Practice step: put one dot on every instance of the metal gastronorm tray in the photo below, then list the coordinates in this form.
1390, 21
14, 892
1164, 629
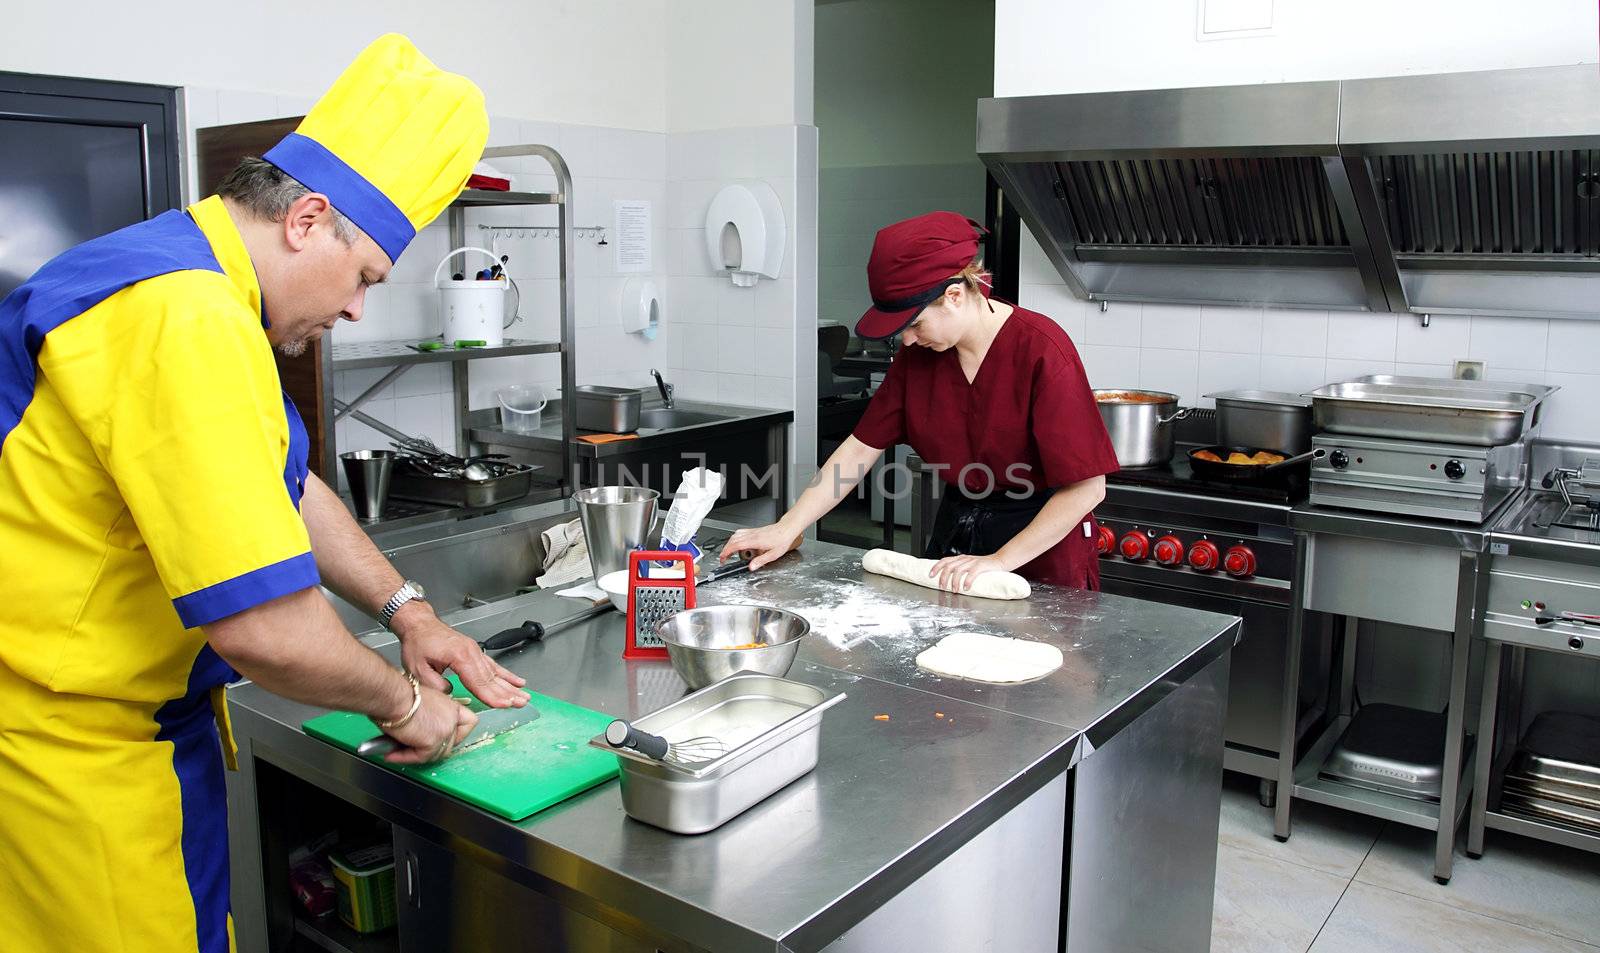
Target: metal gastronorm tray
1475, 413
771, 727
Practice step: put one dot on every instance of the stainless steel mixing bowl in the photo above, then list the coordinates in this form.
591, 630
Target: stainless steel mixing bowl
702, 642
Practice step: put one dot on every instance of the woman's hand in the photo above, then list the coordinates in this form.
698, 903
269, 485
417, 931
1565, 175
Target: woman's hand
957, 573
765, 543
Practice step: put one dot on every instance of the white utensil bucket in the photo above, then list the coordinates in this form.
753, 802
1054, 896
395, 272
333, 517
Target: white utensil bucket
472, 309
521, 408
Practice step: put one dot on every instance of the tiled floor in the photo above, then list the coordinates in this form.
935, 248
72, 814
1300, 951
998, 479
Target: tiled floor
1349, 884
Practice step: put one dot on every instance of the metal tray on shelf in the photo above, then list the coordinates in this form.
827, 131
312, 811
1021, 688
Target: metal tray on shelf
771, 727
459, 491
1476, 413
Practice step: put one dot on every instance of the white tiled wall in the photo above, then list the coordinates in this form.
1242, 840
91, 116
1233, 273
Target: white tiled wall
859, 200
747, 345
716, 342
1194, 351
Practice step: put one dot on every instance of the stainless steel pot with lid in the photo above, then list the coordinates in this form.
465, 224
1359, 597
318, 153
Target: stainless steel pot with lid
1140, 423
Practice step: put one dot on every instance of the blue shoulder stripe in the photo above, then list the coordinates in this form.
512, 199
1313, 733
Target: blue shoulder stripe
77, 280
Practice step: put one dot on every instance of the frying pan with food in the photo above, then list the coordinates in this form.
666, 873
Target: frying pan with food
1244, 464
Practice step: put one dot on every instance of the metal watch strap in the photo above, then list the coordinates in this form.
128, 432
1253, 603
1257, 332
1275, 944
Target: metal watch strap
407, 592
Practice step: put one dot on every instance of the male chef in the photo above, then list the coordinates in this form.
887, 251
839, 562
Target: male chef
160, 535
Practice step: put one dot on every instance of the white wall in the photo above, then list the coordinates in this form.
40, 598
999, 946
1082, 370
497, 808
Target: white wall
599, 62
1062, 46
737, 63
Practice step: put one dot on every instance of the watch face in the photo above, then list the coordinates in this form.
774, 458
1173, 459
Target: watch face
416, 587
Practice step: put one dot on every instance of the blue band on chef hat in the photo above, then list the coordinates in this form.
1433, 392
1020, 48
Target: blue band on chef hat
319, 170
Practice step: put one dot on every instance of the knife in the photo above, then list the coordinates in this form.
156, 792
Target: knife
737, 566
535, 631
491, 722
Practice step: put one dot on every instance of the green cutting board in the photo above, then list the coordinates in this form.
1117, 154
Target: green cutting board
514, 774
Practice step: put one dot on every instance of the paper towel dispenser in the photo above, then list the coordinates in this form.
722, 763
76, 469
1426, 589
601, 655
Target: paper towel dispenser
745, 232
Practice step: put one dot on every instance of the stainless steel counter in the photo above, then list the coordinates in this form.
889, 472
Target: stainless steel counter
889, 800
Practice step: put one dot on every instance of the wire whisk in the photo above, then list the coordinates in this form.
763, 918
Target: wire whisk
697, 750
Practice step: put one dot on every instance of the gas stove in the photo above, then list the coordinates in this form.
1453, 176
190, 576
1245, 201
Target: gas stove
1166, 526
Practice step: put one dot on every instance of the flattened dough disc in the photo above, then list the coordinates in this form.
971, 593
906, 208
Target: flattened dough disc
989, 658
989, 585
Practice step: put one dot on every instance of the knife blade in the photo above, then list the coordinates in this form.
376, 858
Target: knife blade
494, 721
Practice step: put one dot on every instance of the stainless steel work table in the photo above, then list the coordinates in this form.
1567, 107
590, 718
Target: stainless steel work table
889, 801
1422, 573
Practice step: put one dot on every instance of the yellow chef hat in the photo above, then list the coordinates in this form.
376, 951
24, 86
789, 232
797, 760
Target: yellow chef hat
391, 143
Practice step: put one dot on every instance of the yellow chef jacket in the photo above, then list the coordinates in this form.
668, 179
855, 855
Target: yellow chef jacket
150, 477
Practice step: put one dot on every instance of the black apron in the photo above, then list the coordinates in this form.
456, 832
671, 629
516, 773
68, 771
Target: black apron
969, 527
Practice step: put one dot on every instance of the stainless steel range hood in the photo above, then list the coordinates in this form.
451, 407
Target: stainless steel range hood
1461, 192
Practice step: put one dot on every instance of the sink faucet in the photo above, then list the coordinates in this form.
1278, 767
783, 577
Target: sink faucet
664, 387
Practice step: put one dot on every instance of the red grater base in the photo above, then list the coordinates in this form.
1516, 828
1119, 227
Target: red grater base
631, 647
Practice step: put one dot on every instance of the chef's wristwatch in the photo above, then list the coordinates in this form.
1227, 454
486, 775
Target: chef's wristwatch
411, 590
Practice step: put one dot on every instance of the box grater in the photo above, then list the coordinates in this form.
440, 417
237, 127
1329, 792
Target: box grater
652, 600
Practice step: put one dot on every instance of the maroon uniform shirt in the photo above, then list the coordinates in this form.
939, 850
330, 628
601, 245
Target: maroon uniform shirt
1027, 422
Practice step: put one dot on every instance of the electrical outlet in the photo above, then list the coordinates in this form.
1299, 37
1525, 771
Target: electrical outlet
1468, 371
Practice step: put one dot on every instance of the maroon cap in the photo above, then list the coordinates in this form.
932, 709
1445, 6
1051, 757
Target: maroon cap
912, 264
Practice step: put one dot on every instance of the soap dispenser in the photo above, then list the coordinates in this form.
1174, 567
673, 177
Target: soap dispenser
745, 232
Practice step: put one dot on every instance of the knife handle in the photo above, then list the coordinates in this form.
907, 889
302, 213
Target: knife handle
383, 744
509, 638
620, 734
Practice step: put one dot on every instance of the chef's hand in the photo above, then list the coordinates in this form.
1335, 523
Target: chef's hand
433, 732
957, 572
764, 543
428, 648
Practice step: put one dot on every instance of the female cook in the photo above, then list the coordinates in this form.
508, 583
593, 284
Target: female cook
991, 395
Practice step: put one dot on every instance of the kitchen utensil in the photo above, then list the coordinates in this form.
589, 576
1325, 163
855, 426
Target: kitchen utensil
1245, 472
1420, 408
491, 721
1263, 418
521, 408
696, 750
514, 775
429, 480
735, 566
616, 521
1140, 424
709, 643
608, 409
472, 311
771, 727
536, 631
615, 585
653, 599
369, 473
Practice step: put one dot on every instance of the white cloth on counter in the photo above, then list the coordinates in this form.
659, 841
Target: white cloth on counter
588, 591
566, 555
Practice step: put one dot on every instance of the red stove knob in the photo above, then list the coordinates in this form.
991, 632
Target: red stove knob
1168, 551
1240, 561
1106, 544
1135, 546
1204, 556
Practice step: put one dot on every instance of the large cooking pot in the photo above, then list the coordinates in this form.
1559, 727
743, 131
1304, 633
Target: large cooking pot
1140, 424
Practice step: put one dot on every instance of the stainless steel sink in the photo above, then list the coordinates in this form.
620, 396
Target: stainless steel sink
660, 418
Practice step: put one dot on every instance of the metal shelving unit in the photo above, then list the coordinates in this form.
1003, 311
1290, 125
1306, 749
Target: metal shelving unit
391, 353
402, 356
